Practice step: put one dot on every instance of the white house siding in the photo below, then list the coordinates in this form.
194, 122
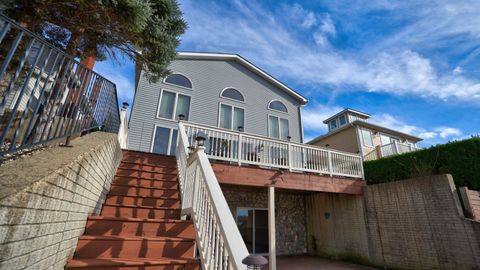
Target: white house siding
209, 78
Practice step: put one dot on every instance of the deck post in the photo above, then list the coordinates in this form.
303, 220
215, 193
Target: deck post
272, 258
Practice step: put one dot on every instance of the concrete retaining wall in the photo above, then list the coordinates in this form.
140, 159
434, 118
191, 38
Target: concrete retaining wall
46, 197
411, 224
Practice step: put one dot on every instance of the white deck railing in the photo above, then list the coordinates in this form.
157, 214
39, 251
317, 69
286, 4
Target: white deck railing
244, 148
396, 148
218, 239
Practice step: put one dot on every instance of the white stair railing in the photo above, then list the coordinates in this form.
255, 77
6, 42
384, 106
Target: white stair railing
244, 148
218, 239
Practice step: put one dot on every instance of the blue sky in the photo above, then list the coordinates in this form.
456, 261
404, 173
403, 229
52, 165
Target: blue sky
413, 65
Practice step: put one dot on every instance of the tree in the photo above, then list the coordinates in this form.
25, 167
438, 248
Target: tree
146, 31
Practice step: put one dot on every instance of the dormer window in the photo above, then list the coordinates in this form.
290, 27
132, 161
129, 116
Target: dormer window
333, 124
342, 119
277, 106
178, 80
232, 93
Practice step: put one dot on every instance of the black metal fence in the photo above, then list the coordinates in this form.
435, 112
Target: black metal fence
46, 94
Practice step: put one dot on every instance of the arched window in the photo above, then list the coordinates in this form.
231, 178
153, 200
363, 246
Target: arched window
179, 80
232, 93
277, 106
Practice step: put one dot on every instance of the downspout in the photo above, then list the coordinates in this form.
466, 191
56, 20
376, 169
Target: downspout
302, 135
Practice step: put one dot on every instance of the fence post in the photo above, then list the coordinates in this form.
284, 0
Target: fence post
290, 157
240, 147
330, 167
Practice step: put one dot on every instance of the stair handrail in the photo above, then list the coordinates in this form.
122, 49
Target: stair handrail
218, 239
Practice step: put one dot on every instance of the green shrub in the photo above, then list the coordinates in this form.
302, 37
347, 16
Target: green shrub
459, 158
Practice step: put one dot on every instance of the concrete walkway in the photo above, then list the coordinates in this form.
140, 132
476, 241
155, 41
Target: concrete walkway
315, 263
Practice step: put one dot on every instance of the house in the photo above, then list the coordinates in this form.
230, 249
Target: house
254, 136
350, 131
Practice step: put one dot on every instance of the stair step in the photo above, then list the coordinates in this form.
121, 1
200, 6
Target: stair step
148, 168
135, 211
126, 180
130, 227
142, 201
135, 264
146, 175
143, 191
133, 247
171, 164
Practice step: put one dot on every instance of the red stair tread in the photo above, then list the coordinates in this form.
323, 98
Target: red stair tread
136, 238
105, 262
142, 206
142, 186
156, 220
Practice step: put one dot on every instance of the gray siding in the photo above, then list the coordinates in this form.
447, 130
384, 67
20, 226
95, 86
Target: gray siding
209, 78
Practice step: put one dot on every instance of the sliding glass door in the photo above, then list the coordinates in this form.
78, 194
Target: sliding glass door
253, 226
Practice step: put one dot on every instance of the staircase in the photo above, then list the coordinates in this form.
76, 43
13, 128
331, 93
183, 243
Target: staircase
139, 226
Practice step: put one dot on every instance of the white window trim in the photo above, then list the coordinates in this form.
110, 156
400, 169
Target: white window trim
174, 105
389, 136
363, 138
169, 138
253, 231
233, 109
340, 123
176, 85
268, 126
236, 100
268, 106
330, 124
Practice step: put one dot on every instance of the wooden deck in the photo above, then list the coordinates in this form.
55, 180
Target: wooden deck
261, 177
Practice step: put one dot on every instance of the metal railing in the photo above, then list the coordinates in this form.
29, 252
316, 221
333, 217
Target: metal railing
218, 239
244, 148
396, 148
46, 94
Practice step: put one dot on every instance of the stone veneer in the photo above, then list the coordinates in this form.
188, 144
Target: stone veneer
46, 197
290, 214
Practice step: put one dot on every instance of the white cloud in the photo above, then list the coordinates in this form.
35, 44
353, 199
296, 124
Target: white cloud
446, 132
313, 117
255, 32
457, 71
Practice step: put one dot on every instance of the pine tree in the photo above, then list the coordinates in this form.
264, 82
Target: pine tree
146, 31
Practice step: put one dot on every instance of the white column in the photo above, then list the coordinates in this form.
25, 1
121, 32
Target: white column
272, 258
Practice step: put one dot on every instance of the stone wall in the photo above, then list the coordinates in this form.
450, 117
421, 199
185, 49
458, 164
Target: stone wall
46, 197
289, 215
411, 224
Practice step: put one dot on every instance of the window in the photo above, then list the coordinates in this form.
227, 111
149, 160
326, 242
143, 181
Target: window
232, 93
253, 226
178, 80
231, 117
278, 127
333, 124
385, 139
164, 141
367, 137
277, 106
172, 104
343, 120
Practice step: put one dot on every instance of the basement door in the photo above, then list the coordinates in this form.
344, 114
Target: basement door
253, 226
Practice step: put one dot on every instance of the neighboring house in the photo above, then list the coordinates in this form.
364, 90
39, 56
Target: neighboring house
218, 90
252, 119
350, 131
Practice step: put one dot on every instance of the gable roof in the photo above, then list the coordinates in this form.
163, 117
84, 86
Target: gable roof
237, 58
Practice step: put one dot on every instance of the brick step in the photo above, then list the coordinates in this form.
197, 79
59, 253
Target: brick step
158, 183
135, 211
146, 175
153, 158
130, 227
133, 247
148, 168
143, 191
142, 201
135, 264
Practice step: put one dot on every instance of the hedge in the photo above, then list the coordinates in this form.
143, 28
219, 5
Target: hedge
459, 158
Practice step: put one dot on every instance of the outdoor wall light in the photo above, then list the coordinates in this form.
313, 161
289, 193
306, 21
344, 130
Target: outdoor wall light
125, 105
289, 137
240, 128
181, 117
327, 145
254, 261
200, 138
